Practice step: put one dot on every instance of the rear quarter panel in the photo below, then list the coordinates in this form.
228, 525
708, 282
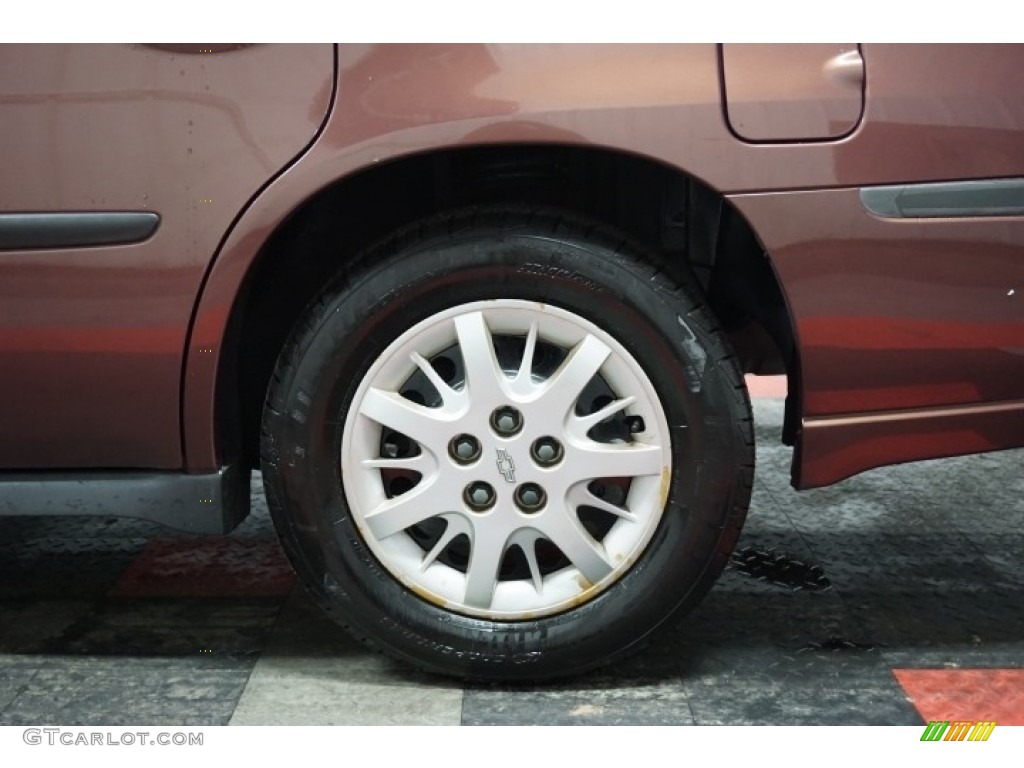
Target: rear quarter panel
931, 113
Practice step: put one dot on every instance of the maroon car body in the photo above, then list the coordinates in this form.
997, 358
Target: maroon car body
855, 215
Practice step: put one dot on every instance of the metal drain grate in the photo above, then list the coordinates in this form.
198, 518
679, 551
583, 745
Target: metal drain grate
778, 568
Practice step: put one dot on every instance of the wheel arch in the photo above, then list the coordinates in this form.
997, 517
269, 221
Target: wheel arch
293, 238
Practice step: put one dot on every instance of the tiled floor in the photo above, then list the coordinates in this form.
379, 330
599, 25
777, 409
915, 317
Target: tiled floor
842, 604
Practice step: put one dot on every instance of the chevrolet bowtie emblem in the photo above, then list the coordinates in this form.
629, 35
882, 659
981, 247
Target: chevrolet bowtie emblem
506, 466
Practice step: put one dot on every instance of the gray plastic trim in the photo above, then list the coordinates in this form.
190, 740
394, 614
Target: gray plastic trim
947, 199
22, 231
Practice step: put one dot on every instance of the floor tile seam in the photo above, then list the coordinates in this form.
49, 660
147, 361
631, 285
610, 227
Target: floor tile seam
258, 657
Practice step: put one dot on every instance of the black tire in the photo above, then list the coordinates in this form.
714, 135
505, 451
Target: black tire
493, 255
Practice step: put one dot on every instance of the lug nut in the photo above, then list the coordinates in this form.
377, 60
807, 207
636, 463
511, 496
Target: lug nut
506, 421
546, 451
464, 449
396, 445
530, 497
479, 496
636, 424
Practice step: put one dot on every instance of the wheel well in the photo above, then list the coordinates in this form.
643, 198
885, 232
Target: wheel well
694, 232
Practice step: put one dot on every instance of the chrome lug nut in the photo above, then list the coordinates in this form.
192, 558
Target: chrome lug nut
464, 449
546, 451
479, 496
530, 497
506, 421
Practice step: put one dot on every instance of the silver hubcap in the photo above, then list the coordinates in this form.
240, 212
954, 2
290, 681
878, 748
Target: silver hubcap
506, 459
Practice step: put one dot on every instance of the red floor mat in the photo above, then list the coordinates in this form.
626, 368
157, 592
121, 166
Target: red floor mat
214, 567
966, 694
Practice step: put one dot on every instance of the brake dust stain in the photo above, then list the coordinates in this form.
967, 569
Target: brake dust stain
426, 594
663, 489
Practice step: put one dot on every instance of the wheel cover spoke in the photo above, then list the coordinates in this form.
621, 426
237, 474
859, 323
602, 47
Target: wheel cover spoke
525, 373
457, 526
449, 396
508, 554
526, 539
411, 463
579, 496
594, 460
401, 512
483, 376
566, 384
582, 424
481, 575
391, 410
581, 550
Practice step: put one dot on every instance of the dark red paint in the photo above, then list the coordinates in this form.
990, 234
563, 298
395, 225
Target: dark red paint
106, 352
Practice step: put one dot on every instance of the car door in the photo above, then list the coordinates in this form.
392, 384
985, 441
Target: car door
123, 168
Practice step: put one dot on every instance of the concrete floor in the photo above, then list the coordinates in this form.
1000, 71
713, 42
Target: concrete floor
896, 597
